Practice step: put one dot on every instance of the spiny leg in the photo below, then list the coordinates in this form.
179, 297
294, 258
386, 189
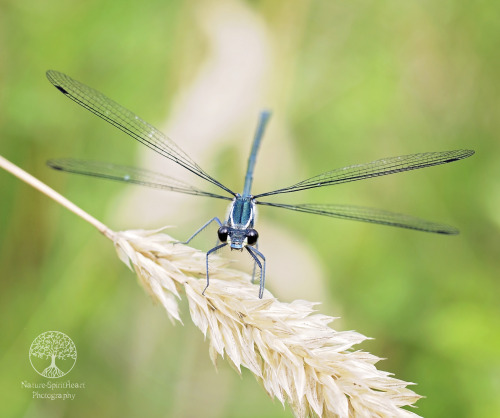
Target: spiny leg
254, 264
218, 247
216, 219
255, 255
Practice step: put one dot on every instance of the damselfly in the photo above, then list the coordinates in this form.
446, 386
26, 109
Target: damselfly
238, 230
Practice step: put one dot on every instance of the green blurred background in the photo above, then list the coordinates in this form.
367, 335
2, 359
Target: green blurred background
349, 82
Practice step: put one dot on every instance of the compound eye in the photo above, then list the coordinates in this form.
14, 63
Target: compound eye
222, 233
252, 236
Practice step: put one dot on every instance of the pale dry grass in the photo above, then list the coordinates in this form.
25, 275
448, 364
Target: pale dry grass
291, 350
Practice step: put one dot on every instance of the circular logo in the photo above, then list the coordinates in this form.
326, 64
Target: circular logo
52, 354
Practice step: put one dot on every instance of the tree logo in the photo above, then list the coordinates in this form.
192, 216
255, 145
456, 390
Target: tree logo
52, 345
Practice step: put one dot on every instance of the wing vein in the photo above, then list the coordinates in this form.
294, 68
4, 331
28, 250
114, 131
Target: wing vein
128, 122
130, 175
364, 214
374, 169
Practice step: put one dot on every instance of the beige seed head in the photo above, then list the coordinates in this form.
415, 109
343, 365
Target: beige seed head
289, 347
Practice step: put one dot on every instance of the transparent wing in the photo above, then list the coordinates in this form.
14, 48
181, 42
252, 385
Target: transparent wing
359, 213
375, 169
129, 175
128, 122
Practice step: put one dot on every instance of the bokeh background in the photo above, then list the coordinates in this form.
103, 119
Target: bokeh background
348, 82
